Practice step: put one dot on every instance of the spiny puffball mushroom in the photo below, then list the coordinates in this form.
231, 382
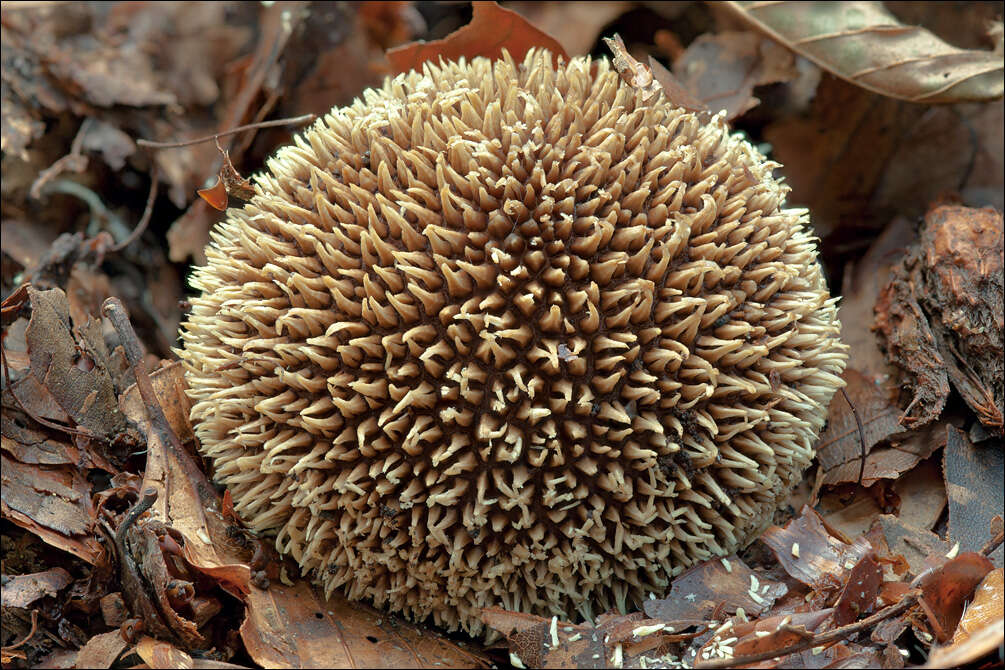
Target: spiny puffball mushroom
505, 334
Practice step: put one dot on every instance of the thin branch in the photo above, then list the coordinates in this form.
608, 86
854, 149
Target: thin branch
817, 640
993, 543
31, 633
150, 144
145, 219
861, 436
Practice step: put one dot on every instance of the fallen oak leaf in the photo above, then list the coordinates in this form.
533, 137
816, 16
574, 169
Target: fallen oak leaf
985, 609
860, 591
863, 43
492, 29
674, 89
717, 585
293, 627
812, 555
945, 589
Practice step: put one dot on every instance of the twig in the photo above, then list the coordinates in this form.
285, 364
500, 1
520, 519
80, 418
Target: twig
145, 219
993, 543
817, 640
116, 313
31, 633
141, 506
861, 436
306, 118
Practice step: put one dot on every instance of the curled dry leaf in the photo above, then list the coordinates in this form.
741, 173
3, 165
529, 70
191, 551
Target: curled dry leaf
863, 43
720, 584
985, 609
946, 590
812, 555
187, 500
973, 475
291, 627
22, 590
71, 361
144, 544
215, 195
491, 30
722, 69
101, 650
228, 182
160, 654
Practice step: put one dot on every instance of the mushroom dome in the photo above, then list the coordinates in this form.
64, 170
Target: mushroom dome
509, 334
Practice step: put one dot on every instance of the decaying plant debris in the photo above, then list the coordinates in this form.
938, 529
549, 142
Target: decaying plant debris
899, 566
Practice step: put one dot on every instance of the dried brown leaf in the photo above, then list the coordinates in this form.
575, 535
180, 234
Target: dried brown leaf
860, 591
292, 627
72, 364
862, 282
574, 25
215, 195
22, 590
812, 555
722, 69
946, 590
162, 655
854, 159
720, 584
674, 89
973, 476
101, 650
53, 502
986, 609
921, 490
840, 447
914, 544
984, 642
186, 499
491, 30
866, 45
